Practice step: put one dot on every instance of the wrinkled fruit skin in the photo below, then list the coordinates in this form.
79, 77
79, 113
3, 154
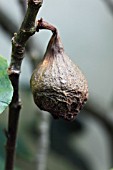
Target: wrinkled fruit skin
57, 84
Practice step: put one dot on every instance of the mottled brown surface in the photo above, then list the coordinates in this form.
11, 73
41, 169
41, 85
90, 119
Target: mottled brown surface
58, 85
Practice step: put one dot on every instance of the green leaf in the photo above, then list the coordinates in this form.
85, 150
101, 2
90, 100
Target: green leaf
6, 89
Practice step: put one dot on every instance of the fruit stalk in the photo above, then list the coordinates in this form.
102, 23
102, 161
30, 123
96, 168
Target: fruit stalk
41, 24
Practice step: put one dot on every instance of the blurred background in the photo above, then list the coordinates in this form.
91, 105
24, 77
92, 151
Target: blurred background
86, 29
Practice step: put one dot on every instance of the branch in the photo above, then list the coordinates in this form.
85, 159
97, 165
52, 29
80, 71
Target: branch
32, 48
43, 143
19, 40
100, 114
23, 5
7, 24
109, 4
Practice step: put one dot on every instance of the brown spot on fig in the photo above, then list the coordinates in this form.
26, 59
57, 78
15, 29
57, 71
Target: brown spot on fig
57, 84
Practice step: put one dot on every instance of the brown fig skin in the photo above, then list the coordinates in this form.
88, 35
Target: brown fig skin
57, 84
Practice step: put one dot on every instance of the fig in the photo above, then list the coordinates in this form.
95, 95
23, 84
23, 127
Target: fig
57, 84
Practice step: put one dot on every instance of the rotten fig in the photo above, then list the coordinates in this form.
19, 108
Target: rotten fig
57, 84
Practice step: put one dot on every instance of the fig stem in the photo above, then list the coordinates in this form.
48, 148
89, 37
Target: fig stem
41, 24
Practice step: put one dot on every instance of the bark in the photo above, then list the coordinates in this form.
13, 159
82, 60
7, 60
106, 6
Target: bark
19, 40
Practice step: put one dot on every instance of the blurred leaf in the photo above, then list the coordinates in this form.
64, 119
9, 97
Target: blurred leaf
1, 164
22, 149
2, 142
6, 89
